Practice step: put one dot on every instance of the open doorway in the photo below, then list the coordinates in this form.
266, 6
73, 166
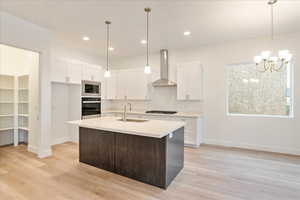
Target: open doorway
19, 96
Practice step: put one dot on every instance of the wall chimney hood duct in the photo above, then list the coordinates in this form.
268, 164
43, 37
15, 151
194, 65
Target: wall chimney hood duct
164, 71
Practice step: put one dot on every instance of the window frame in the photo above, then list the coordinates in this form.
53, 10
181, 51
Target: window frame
290, 116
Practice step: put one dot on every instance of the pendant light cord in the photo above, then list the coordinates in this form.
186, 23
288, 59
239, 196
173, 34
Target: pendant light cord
147, 38
107, 46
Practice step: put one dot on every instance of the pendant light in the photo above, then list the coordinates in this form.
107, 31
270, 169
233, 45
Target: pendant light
147, 69
273, 63
107, 72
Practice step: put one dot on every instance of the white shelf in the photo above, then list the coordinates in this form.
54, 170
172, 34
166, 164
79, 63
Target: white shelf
11, 115
23, 115
7, 102
24, 128
6, 129
23, 89
7, 89
23, 102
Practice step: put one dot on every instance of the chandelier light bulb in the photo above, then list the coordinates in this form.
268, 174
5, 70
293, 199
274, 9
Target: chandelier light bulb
254, 80
283, 54
288, 57
257, 59
265, 54
147, 69
245, 80
107, 74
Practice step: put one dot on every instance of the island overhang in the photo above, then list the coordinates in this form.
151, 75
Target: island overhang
149, 128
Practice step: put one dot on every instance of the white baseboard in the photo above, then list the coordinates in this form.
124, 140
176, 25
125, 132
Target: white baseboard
45, 153
191, 145
42, 154
61, 140
32, 149
253, 147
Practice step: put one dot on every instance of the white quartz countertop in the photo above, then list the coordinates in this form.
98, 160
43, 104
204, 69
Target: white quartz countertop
179, 114
150, 128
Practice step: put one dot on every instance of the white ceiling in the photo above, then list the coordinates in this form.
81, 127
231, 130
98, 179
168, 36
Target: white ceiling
210, 21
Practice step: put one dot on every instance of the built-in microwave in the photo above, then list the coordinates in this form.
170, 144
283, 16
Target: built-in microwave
91, 88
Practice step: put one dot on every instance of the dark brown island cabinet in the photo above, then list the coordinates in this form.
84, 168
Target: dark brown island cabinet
155, 161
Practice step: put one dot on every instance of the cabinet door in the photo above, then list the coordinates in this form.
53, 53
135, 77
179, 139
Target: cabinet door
181, 83
195, 83
189, 81
148, 164
137, 85
97, 73
110, 86
97, 148
88, 73
74, 73
59, 71
122, 83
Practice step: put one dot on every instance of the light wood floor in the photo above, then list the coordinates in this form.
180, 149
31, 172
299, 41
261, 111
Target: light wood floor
210, 173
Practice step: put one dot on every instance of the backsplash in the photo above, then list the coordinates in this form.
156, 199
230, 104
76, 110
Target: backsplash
162, 98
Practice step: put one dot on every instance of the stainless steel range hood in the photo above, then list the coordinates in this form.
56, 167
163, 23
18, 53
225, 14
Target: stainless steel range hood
164, 71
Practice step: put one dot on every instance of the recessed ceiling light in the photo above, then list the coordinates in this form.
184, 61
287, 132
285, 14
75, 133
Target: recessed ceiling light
111, 48
85, 38
186, 33
143, 41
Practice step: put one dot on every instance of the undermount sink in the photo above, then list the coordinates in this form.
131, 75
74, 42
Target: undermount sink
133, 120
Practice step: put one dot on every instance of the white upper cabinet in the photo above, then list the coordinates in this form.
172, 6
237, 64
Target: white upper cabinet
131, 84
64, 71
109, 87
92, 73
123, 79
137, 87
59, 71
189, 81
74, 73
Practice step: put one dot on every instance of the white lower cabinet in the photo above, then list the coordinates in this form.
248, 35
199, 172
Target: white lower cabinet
193, 130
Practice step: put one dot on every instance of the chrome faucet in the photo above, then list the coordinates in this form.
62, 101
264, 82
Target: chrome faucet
124, 117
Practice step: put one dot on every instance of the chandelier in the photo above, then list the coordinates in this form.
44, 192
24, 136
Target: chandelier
273, 63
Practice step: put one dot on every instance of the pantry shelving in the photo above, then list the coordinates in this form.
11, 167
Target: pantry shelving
14, 108
7, 108
23, 105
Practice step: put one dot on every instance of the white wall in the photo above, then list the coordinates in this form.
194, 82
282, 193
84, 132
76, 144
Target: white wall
23, 34
14, 61
272, 134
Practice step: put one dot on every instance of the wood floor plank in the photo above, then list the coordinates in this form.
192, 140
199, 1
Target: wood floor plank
210, 173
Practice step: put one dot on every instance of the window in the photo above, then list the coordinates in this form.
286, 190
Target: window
250, 92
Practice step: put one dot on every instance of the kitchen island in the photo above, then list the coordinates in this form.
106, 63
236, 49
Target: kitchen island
150, 151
